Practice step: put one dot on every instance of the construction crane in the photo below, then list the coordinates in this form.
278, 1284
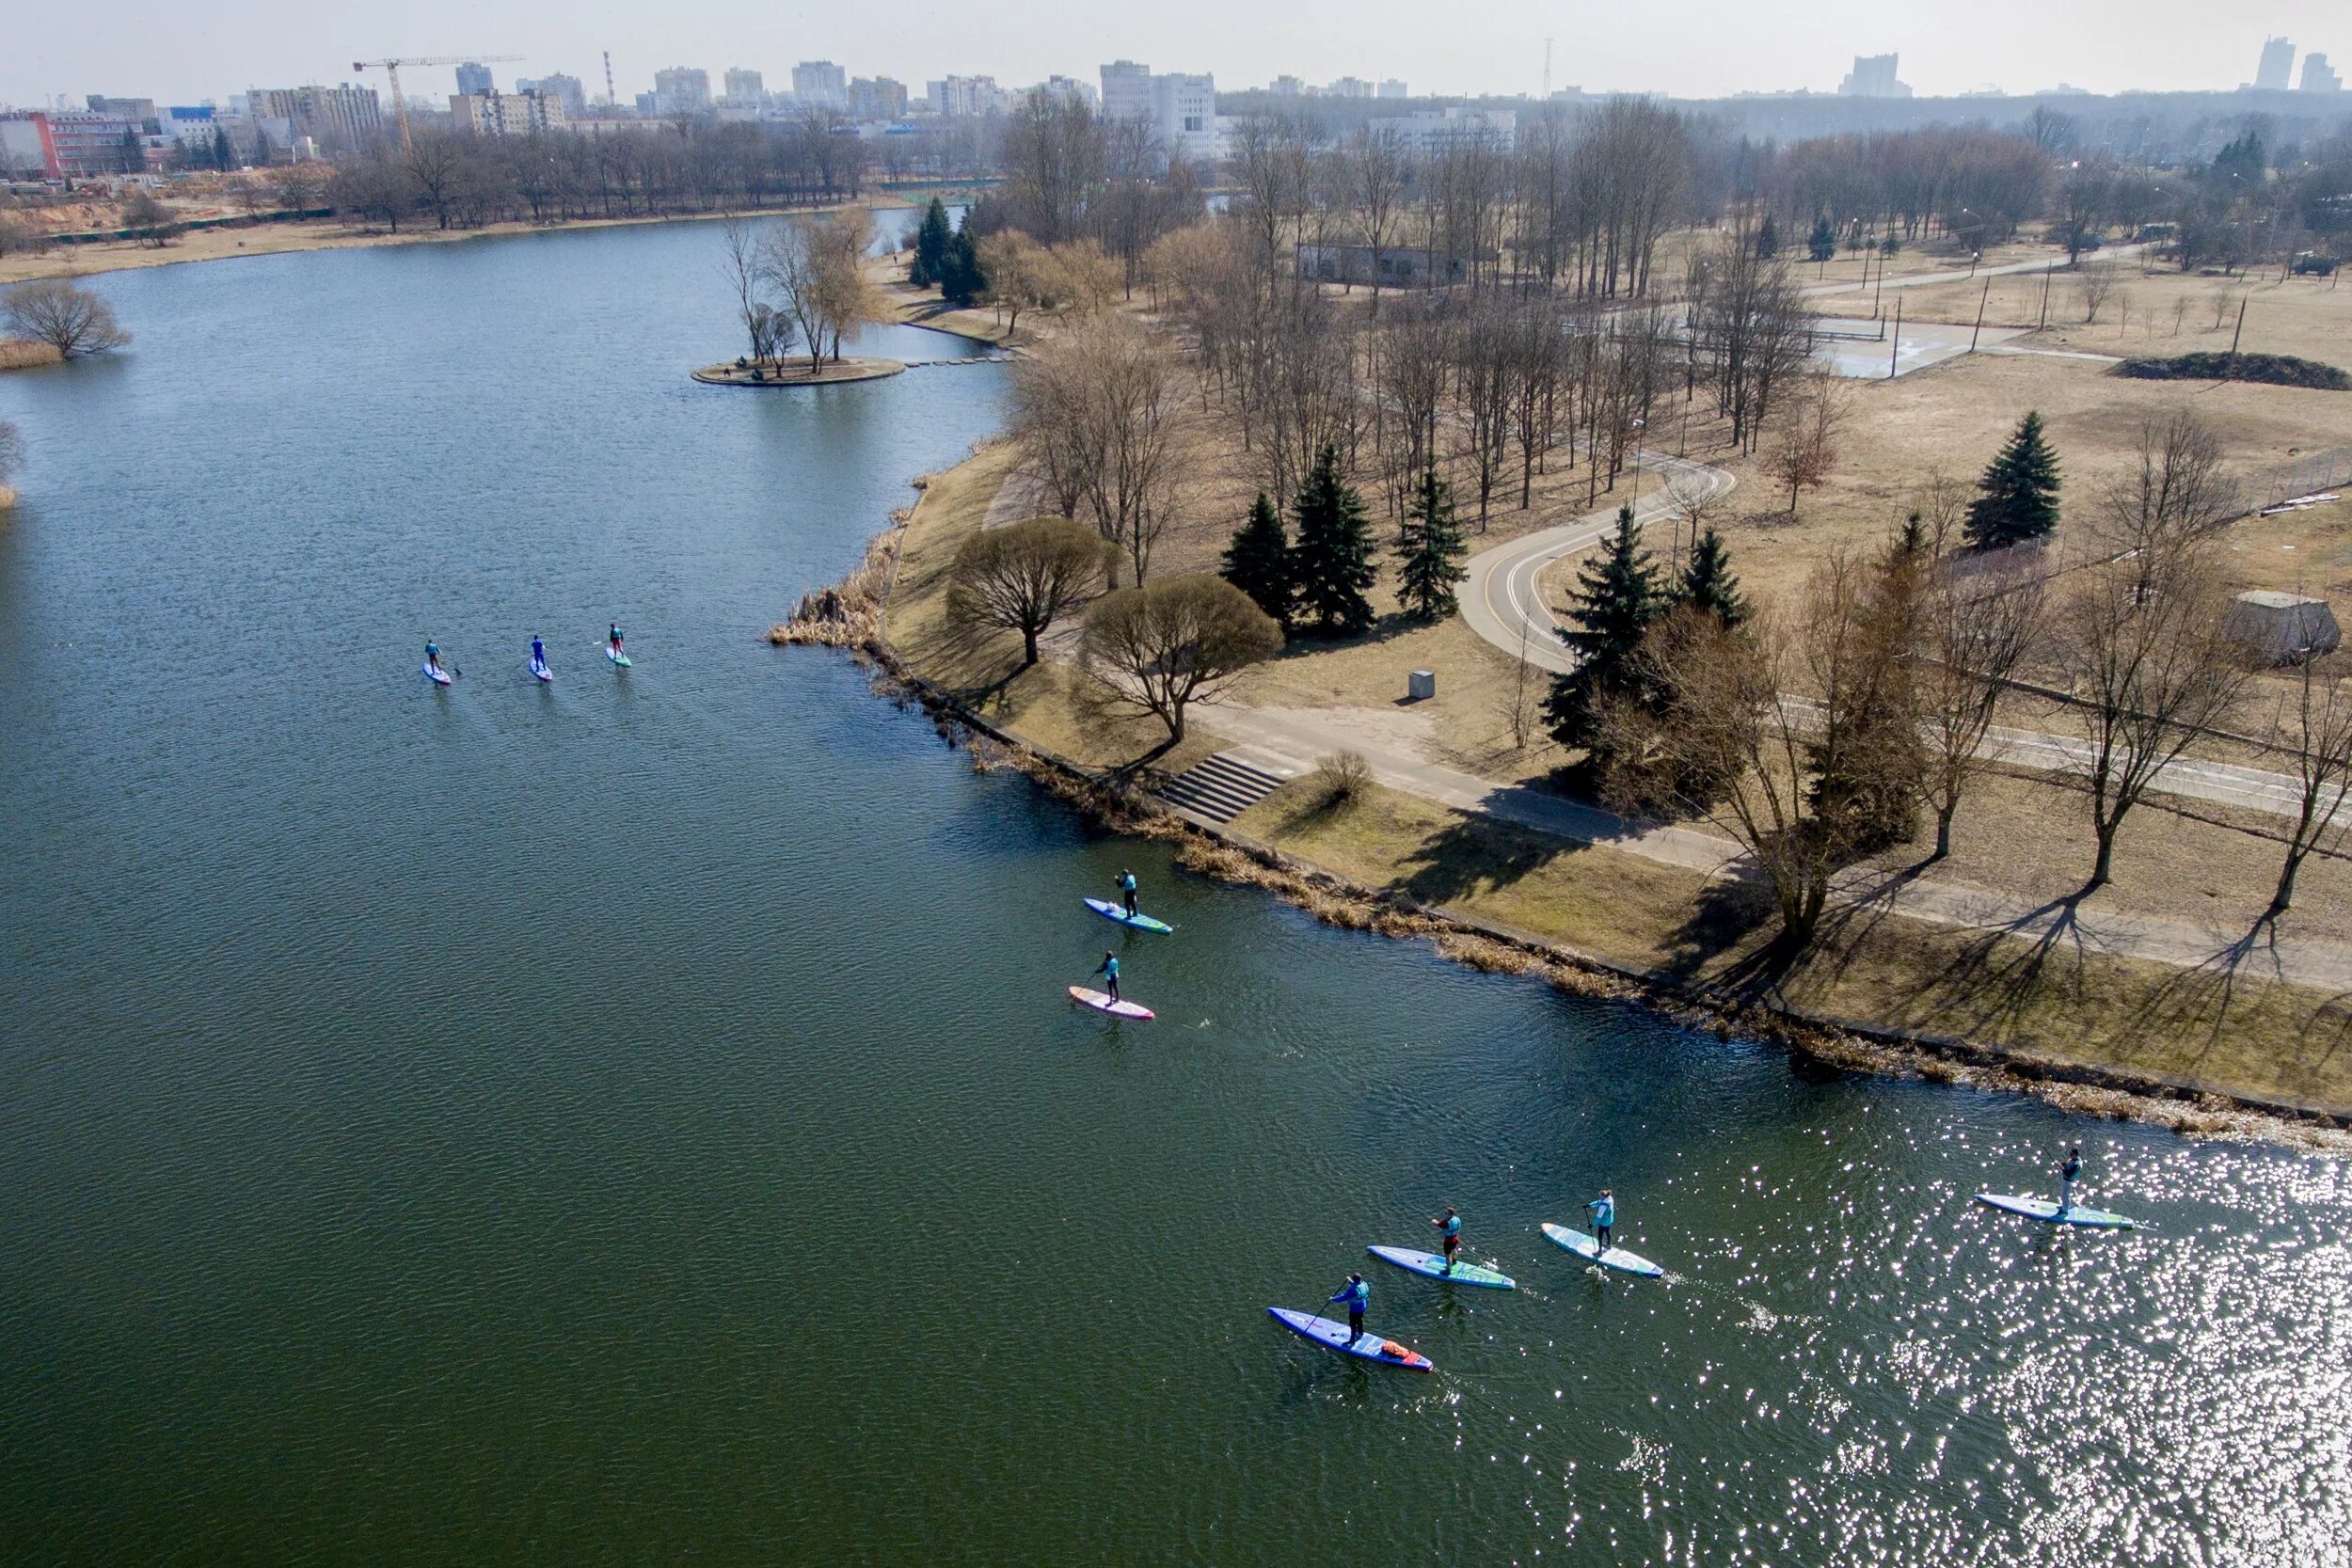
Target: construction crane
400, 102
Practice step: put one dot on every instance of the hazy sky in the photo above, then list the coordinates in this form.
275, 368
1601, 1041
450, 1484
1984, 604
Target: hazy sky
181, 53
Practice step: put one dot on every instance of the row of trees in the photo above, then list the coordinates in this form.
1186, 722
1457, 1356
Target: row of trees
1816, 733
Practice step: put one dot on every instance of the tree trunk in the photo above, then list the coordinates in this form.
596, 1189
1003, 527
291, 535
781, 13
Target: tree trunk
1944, 816
2285, 896
2103, 867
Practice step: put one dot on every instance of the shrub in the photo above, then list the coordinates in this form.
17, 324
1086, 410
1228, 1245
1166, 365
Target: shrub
2274, 370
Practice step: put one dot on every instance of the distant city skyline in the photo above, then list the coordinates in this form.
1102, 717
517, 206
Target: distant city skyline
1716, 49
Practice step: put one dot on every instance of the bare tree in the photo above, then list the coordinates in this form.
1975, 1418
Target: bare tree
1982, 623
1099, 413
1023, 577
744, 265
2095, 285
1804, 451
1940, 502
1159, 648
2175, 499
2320, 736
66, 316
1375, 170
2152, 667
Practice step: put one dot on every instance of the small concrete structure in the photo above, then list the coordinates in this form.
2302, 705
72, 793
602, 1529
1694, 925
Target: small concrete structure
2281, 628
1420, 684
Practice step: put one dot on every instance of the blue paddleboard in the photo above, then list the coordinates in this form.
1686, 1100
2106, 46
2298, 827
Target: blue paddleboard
1588, 1249
1371, 1347
1109, 910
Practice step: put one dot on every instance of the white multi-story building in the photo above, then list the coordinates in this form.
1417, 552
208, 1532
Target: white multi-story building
821, 82
507, 113
878, 98
745, 88
1072, 89
1873, 76
566, 90
1350, 87
2278, 64
971, 96
2319, 75
1392, 87
1180, 108
681, 89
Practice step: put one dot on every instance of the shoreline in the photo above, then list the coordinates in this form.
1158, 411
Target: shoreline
850, 616
225, 245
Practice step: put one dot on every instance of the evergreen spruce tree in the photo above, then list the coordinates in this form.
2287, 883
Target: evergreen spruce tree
2018, 498
1432, 560
1768, 239
1708, 585
1617, 598
1258, 563
1824, 244
1333, 559
931, 246
962, 280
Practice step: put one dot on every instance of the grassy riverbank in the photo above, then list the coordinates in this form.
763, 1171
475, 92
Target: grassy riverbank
2056, 1003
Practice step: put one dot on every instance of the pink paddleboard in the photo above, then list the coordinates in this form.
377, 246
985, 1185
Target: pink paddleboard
1103, 1004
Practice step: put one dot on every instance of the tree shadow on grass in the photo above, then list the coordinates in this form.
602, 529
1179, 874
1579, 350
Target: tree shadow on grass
1725, 918
1475, 854
2200, 1002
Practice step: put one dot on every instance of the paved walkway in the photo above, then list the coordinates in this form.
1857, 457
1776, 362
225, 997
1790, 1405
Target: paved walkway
1291, 740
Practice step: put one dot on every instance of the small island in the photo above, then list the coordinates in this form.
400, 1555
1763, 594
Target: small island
796, 373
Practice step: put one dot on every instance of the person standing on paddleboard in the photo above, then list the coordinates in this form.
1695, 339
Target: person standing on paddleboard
433, 656
538, 653
612, 638
1109, 972
1354, 1293
2069, 1174
1127, 891
1604, 1212
1450, 1226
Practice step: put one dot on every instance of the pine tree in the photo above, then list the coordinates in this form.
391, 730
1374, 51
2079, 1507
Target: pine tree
961, 280
1617, 597
224, 158
1708, 585
931, 246
1258, 563
1768, 239
1431, 564
1824, 244
1333, 560
2019, 492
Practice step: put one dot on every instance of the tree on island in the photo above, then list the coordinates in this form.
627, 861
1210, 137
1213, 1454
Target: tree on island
1617, 601
931, 246
1708, 585
1334, 558
1431, 562
2017, 498
1258, 563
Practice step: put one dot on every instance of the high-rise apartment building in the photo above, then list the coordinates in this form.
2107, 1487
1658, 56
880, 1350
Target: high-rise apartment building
681, 89
1070, 87
1873, 76
2278, 64
506, 114
473, 78
819, 81
566, 90
878, 98
2318, 76
1391, 88
336, 118
1180, 108
745, 87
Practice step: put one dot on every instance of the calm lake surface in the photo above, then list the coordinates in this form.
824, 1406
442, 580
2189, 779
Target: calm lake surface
637, 1120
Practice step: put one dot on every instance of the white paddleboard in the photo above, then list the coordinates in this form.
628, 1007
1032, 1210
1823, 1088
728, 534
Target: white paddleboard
2047, 1213
540, 670
1616, 1258
1432, 1265
1102, 1003
620, 660
438, 677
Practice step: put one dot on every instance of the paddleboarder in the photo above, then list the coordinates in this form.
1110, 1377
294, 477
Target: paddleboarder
1109, 972
538, 653
1450, 1226
613, 639
433, 656
2069, 1174
1127, 891
1354, 1293
1604, 1212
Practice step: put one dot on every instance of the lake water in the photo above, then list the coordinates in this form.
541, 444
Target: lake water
637, 1119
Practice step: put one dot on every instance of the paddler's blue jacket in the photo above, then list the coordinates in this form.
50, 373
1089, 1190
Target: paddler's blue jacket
1603, 1210
1354, 1293
1127, 883
1109, 969
1453, 1225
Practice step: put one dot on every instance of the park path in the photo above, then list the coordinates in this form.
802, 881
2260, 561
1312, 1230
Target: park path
1289, 741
